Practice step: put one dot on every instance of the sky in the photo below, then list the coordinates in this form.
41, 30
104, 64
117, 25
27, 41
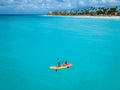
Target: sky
43, 6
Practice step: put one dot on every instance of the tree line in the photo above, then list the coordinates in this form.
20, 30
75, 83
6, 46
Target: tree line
92, 11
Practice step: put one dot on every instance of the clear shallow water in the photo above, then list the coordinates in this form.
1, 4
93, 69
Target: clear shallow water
30, 44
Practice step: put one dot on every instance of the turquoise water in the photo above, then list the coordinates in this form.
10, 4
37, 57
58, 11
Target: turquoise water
29, 44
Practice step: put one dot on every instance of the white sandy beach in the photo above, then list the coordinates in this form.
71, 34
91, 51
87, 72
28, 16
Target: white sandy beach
112, 17
116, 17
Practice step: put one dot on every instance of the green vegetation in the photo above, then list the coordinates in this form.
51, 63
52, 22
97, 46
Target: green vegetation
92, 11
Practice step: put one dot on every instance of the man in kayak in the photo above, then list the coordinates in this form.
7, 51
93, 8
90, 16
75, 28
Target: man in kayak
58, 63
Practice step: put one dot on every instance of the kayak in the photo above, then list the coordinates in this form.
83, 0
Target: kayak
63, 66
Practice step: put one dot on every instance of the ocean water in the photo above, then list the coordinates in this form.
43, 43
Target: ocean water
29, 44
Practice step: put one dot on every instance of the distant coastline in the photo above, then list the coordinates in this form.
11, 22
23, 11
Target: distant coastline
92, 11
117, 17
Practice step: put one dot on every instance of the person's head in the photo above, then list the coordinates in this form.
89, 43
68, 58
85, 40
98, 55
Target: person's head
57, 58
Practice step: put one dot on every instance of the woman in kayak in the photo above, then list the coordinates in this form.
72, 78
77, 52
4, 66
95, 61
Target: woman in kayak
66, 62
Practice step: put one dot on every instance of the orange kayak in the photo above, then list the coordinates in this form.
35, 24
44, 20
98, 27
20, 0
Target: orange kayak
63, 66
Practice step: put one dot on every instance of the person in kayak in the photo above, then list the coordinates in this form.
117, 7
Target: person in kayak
66, 62
58, 63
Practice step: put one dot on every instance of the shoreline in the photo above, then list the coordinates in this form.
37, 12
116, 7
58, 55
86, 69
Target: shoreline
114, 17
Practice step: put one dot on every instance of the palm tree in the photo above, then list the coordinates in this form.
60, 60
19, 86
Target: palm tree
90, 11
